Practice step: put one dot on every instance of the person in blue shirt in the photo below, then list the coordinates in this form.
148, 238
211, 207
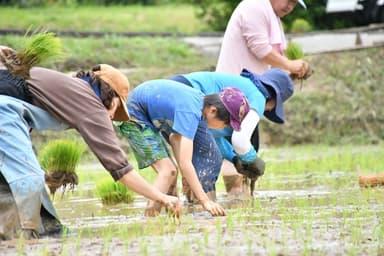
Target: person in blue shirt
165, 109
266, 94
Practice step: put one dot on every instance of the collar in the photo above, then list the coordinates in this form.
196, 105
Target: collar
95, 85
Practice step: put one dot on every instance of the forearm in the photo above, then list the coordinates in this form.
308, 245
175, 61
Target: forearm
298, 66
139, 185
276, 60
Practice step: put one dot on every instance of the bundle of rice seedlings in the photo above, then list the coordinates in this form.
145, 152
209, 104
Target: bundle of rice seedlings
59, 159
112, 192
294, 51
39, 49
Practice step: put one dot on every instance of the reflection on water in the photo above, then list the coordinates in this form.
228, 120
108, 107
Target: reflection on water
307, 214
79, 211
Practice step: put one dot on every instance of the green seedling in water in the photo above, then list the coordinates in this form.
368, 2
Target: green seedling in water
59, 159
112, 192
283, 224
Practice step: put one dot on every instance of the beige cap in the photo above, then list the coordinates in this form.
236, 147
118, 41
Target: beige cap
120, 84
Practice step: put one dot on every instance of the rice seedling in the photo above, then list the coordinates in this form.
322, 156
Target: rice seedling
345, 219
59, 159
112, 192
38, 49
294, 51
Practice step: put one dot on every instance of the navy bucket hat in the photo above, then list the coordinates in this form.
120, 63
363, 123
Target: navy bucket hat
282, 84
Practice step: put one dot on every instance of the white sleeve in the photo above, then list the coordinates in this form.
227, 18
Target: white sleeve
241, 140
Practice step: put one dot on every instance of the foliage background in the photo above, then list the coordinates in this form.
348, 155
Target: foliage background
215, 13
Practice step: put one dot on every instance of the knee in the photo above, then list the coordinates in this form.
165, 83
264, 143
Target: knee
166, 169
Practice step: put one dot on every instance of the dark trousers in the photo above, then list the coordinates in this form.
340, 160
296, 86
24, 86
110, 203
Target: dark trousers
14, 86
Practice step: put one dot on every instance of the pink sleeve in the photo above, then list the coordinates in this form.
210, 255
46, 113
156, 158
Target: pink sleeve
255, 29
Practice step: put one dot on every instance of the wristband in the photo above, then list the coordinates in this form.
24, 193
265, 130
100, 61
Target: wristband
249, 157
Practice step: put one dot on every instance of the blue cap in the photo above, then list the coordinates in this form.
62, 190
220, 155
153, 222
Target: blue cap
282, 84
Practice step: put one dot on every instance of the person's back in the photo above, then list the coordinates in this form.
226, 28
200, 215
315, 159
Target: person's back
213, 82
72, 101
63, 95
58, 99
247, 38
167, 105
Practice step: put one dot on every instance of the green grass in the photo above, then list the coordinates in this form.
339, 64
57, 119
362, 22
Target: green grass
141, 58
105, 19
310, 162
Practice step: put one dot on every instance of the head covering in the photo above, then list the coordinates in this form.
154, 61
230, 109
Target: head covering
282, 84
301, 2
120, 84
236, 104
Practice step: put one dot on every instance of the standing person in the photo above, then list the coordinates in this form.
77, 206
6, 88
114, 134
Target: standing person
181, 115
254, 39
266, 94
86, 103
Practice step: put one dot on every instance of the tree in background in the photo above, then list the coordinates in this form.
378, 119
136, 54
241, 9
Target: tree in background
217, 13
40, 3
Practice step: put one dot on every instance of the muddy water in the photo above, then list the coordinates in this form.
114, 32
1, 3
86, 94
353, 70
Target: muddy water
319, 214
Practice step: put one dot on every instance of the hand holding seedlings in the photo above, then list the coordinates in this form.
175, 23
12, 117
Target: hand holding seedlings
296, 54
173, 205
251, 170
38, 49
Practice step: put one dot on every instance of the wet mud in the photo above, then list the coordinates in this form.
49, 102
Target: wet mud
299, 216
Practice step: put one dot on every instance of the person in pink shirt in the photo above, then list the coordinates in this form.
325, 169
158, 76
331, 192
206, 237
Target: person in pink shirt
254, 40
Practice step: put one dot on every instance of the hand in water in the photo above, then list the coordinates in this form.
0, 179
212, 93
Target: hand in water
174, 206
214, 208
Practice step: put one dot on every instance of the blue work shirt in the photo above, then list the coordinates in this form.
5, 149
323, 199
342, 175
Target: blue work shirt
213, 82
167, 106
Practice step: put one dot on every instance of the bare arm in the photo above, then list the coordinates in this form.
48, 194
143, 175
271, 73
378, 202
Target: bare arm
275, 59
139, 185
183, 149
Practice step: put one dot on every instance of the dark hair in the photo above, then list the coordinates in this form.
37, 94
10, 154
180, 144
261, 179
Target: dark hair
213, 100
271, 91
106, 92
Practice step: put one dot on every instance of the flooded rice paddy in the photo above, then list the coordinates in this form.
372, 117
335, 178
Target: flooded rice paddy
305, 213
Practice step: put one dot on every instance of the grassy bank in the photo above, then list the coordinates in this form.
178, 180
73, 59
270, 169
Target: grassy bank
339, 104
163, 18
141, 58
